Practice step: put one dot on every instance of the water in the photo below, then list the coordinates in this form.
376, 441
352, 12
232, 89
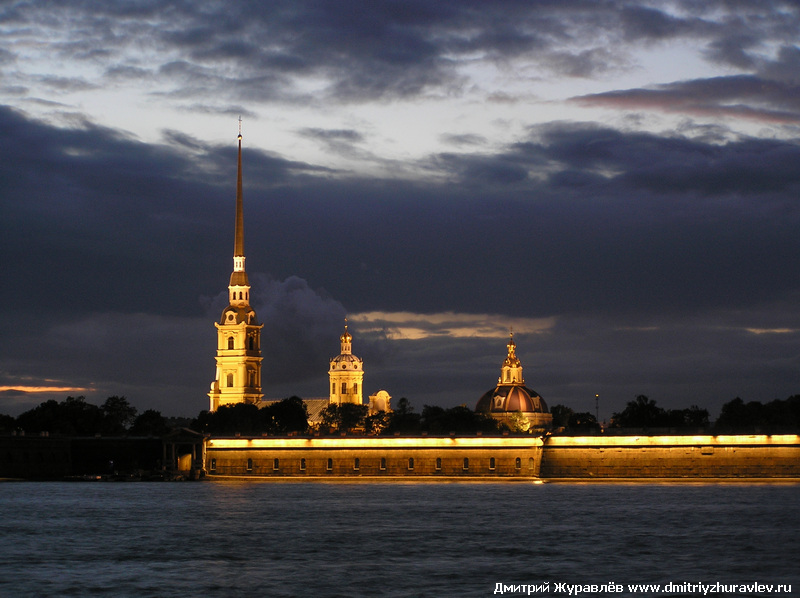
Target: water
220, 539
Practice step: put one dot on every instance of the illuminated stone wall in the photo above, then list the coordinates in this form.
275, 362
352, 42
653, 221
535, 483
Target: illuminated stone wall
757, 456
378, 457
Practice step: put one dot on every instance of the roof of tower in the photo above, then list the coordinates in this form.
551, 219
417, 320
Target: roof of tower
510, 399
238, 245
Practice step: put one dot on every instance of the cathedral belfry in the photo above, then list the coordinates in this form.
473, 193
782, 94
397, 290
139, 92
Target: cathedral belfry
346, 373
238, 378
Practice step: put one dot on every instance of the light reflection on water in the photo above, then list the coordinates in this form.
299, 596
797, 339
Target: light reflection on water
386, 539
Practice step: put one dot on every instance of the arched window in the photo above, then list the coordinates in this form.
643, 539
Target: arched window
302, 464
230, 342
438, 464
518, 463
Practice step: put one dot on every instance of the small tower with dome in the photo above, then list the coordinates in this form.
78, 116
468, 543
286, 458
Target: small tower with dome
513, 403
346, 373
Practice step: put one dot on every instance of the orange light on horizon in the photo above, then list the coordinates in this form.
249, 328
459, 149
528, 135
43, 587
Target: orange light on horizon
20, 388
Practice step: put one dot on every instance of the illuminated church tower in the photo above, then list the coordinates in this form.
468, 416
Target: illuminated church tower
238, 358
346, 373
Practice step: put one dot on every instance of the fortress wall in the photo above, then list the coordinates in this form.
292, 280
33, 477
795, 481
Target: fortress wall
388, 457
756, 456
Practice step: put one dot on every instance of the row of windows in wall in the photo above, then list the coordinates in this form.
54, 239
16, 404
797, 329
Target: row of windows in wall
344, 388
251, 379
276, 464
251, 343
242, 296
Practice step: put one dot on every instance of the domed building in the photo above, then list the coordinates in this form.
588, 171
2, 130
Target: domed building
346, 373
513, 403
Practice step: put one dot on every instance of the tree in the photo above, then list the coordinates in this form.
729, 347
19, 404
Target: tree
118, 414
403, 420
150, 423
377, 423
561, 415
288, 415
641, 413
344, 416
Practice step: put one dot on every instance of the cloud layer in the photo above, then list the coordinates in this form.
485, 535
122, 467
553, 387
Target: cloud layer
633, 222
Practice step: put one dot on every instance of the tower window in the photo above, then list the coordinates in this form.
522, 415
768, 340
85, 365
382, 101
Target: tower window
344, 388
355, 388
230, 342
333, 388
252, 343
230, 380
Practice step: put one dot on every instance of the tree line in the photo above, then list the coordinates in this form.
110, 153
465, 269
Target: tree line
116, 416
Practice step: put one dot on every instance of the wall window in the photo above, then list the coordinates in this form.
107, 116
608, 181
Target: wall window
355, 388
302, 464
438, 464
249, 465
530, 464
344, 388
276, 464
518, 463
410, 463
333, 388
230, 342
491, 463
230, 380
330, 465
466, 463
213, 466
383, 463
357, 464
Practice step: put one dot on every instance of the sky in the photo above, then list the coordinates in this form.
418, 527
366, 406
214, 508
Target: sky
616, 182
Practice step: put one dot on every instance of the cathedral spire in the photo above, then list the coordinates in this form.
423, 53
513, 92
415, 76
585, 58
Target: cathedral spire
239, 287
238, 247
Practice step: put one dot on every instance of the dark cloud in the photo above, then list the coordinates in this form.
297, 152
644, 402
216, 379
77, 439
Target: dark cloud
746, 96
379, 50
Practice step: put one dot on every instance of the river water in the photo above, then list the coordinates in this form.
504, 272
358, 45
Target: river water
272, 539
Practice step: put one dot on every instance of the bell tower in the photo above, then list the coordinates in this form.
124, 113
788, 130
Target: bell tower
346, 373
238, 378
